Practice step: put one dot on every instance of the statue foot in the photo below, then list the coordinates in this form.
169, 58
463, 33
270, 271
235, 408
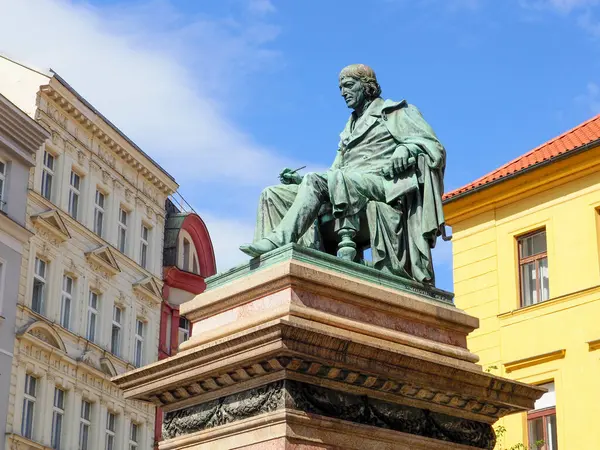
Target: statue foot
258, 248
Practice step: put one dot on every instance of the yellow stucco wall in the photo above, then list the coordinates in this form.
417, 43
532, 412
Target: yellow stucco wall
553, 340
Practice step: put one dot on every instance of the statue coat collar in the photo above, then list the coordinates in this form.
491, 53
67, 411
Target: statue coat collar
377, 109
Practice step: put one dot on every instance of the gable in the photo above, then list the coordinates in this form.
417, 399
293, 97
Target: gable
43, 332
51, 222
149, 287
105, 258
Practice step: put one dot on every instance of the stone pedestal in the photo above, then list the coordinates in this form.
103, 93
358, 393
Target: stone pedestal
300, 350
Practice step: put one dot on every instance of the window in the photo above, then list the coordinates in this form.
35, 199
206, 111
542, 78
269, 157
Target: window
186, 255
195, 265
115, 336
541, 422
47, 175
133, 436
122, 238
66, 301
145, 238
28, 406
169, 331
58, 412
99, 213
39, 286
533, 268
184, 329
2, 185
84, 425
92, 323
74, 192
138, 357
111, 429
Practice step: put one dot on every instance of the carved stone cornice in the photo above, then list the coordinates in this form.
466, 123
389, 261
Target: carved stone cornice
306, 355
108, 140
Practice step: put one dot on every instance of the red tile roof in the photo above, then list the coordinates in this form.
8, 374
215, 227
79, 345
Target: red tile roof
573, 139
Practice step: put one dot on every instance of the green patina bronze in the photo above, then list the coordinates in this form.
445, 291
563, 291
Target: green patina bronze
383, 190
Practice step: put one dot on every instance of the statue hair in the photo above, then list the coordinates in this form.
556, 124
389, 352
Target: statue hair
367, 77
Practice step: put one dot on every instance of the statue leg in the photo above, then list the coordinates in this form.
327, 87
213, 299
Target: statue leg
273, 230
303, 212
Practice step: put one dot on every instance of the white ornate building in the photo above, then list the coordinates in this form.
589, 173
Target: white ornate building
90, 290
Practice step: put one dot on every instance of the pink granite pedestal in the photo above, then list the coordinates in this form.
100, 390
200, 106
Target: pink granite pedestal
295, 354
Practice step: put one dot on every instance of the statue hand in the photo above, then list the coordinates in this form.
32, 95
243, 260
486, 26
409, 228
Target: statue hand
288, 176
401, 160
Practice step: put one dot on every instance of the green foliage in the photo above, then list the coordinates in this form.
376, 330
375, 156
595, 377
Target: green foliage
490, 368
501, 431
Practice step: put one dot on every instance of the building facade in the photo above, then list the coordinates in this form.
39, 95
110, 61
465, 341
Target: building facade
188, 259
90, 291
20, 138
526, 245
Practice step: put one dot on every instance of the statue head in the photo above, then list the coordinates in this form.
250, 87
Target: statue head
358, 85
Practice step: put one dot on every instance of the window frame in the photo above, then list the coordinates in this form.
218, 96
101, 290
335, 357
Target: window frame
29, 403
74, 194
122, 230
48, 173
58, 415
521, 261
138, 355
110, 433
99, 211
144, 245
3, 181
66, 295
43, 280
93, 311
116, 324
85, 423
544, 414
187, 331
134, 442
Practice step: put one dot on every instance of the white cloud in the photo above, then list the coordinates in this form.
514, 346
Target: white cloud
591, 99
227, 234
156, 74
261, 6
170, 82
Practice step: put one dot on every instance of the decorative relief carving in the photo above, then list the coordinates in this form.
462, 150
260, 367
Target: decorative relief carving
81, 157
106, 156
313, 399
128, 195
106, 178
95, 167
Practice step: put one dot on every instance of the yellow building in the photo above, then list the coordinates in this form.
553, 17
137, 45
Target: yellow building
526, 251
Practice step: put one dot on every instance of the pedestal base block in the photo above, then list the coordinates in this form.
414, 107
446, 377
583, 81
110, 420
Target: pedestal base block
301, 350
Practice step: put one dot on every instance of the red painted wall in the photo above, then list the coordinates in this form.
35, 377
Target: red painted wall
193, 283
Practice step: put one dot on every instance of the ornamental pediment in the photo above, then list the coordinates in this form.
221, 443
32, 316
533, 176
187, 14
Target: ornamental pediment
149, 288
51, 222
105, 259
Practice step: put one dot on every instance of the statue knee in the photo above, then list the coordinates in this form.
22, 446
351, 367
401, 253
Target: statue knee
311, 178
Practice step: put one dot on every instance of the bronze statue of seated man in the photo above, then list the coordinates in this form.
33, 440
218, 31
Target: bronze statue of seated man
389, 163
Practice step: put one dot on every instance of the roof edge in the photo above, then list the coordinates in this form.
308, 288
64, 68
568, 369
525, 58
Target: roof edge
564, 155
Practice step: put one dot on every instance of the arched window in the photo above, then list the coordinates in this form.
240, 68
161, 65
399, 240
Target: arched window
188, 256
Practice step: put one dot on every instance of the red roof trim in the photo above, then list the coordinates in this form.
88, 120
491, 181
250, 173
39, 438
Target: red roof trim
576, 138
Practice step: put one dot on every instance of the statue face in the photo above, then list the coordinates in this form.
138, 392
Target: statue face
353, 92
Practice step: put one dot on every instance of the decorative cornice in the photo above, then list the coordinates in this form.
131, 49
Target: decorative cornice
146, 168
302, 370
103, 256
149, 288
534, 360
52, 222
593, 345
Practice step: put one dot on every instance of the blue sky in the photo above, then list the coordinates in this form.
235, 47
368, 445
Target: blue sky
225, 93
